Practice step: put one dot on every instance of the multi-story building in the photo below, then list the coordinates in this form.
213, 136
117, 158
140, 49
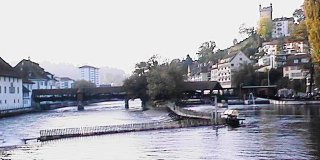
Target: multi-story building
282, 27
277, 52
10, 87
223, 71
198, 72
90, 74
64, 82
38, 76
297, 66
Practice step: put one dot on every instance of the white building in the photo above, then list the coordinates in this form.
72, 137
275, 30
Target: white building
282, 27
64, 82
198, 72
223, 71
10, 87
27, 92
90, 74
33, 72
276, 57
295, 66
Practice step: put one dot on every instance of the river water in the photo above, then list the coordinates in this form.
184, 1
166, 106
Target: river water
268, 132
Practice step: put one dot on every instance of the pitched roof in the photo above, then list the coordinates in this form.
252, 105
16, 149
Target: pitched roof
86, 66
7, 70
291, 58
31, 70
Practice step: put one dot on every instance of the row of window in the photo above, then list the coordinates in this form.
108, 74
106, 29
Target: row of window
14, 101
11, 89
9, 79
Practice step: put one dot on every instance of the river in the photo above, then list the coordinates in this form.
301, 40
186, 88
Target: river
268, 132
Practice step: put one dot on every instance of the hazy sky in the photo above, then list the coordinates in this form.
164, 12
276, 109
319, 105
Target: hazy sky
120, 33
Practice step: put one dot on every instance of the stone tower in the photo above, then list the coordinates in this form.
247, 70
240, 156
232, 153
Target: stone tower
266, 12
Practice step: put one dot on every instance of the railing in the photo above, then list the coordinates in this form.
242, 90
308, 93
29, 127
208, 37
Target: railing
51, 134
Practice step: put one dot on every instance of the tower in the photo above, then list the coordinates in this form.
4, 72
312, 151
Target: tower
266, 12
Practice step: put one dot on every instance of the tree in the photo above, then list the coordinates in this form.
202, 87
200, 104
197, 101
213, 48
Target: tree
84, 84
165, 81
300, 32
299, 15
206, 50
136, 87
246, 76
247, 31
265, 28
312, 9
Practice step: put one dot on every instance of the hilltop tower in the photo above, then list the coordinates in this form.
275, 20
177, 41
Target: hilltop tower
266, 12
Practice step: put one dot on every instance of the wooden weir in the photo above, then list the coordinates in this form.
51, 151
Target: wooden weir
51, 134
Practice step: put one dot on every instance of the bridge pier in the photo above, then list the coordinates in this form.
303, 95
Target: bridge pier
80, 95
126, 105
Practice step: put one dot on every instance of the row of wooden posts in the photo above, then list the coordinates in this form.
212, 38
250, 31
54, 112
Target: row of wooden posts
51, 134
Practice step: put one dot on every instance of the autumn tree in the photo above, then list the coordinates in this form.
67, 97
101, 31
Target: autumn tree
300, 32
312, 9
265, 28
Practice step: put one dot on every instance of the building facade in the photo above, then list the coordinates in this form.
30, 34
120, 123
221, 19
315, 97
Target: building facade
282, 27
90, 74
11, 91
38, 76
64, 82
297, 66
223, 71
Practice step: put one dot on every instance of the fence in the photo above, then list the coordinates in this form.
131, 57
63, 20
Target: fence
52, 134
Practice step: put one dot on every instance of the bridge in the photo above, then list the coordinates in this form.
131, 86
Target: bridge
80, 95
107, 93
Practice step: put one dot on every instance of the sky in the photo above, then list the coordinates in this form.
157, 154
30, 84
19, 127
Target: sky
121, 33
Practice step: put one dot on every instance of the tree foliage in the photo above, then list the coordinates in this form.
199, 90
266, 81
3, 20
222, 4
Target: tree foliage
155, 81
300, 32
299, 15
165, 81
247, 31
265, 28
312, 9
245, 76
205, 51
83, 84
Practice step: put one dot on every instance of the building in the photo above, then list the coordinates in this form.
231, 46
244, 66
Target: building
266, 12
282, 27
223, 71
277, 52
38, 76
64, 82
11, 91
297, 66
90, 74
198, 72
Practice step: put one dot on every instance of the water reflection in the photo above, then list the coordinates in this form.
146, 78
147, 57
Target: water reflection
269, 132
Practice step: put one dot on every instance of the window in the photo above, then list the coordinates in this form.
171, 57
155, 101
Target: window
0, 89
5, 89
11, 89
18, 90
240, 59
296, 61
14, 101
